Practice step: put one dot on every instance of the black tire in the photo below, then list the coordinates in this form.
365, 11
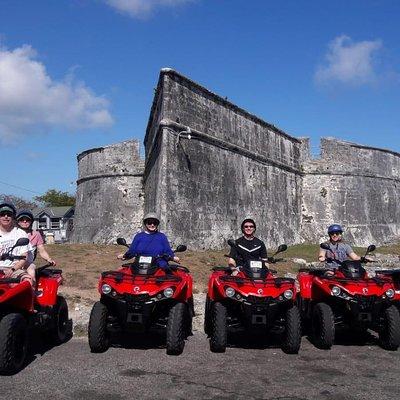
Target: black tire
99, 338
292, 336
207, 310
218, 337
176, 329
389, 335
323, 326
189, 318
13, 343
60, 332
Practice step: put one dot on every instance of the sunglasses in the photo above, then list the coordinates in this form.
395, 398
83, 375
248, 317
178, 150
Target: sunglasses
6, 214
151, 222
24, 219
248, 226
335, 233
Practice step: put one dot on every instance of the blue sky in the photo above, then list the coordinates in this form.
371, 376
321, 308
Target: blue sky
78, 74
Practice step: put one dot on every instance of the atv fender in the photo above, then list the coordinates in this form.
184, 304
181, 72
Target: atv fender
305, 283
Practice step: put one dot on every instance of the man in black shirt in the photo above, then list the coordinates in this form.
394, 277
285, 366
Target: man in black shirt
248, 247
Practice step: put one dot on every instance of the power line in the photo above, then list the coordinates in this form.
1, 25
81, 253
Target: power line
18, 187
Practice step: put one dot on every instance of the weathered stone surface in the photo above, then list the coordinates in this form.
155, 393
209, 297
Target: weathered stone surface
109, 199
356, 186
234, 166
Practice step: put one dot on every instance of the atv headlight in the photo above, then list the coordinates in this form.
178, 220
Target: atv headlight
288, 294
335, 291
230, 292
389, 293
106, 289
168, 292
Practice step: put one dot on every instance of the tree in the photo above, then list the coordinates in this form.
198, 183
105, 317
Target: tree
54, 198
18, 202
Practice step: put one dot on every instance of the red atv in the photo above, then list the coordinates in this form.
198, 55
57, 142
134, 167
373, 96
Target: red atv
347, 297
23, 308
254, 301
140, 297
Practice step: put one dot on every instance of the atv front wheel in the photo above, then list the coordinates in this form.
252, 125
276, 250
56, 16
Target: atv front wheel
389, 335
176, 329
218, 337
323, 326
99, 338
60, 331
13, 343
292, 336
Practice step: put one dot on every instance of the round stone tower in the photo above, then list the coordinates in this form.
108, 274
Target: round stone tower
109, 198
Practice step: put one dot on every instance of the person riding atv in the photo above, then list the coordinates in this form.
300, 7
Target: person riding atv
23, 307
9, 235
246, 296
337, 251
247, 247
145, 295
342, 295
150, 242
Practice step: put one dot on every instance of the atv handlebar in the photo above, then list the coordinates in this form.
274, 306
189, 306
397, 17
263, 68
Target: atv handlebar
40, 269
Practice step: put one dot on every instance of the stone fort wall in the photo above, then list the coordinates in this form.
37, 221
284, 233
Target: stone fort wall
357, 186
209, 164
109, 198
234, 165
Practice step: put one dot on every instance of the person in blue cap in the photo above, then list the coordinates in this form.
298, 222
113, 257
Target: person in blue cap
338, 250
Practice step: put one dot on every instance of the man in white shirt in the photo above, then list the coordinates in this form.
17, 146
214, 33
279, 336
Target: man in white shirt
9, 234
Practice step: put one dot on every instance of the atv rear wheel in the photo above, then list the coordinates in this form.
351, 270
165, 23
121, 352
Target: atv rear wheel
218, 336
13, 343
60, 331
207, 311
99, 338
323, 326
389, 335
177, 319
292, 336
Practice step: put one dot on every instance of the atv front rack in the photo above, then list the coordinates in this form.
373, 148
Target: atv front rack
277, 282
120, 277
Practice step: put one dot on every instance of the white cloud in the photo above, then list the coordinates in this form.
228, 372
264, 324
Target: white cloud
30, 100
142, 8
349, 62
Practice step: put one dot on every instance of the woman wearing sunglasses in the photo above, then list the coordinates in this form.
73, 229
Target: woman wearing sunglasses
9, 235
150, 242
25, 221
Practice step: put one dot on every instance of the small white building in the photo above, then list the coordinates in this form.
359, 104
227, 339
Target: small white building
56, 223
